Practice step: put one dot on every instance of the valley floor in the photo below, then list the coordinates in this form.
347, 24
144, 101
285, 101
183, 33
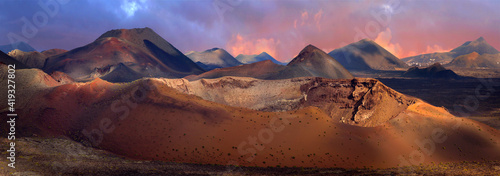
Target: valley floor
54, 156
459, 97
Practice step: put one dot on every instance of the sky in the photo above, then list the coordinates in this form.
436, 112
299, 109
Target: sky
279, 27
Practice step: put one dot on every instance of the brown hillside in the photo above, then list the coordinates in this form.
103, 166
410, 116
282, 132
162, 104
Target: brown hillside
164, 119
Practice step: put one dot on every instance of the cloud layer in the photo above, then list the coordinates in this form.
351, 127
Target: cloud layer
281, 28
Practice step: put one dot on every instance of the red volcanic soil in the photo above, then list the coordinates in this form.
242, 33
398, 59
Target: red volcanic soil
213, 58
474, 60
61, 77
469, 50
163, 119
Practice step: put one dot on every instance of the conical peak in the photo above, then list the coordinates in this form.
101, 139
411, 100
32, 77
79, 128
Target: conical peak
480, 39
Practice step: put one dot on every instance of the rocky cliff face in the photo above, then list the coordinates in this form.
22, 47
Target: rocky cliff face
360, 101
363, 102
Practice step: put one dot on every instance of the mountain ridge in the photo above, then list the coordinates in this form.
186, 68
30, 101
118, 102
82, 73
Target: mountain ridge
18, 45
142, 49
248, 59
366, 55
480, 46
213, 58
312, 61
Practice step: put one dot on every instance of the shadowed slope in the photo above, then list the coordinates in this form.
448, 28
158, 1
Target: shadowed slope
366, 55
434, 71
248, 59
311, 61
121, 73
479, 46
429, 59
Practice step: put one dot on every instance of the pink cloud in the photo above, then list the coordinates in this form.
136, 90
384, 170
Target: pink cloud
384, 39
244, 45
317, 19
304, 17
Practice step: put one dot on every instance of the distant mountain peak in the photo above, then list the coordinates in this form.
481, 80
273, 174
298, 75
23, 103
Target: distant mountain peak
368, 41
308, 54
189, 52
266, 62
128, 33
312, 61
309, 48
469, 49
305, 54
480, 39
366, 55
148, 53
479, 45
248, 59
213, 58
264, 54
213, 49
6, 59
435, 70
